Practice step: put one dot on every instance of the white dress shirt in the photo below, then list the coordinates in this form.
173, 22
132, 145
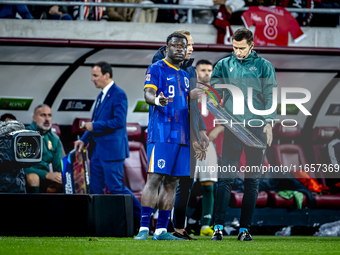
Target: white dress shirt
105, 90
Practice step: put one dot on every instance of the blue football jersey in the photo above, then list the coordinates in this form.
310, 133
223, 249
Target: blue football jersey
168, 124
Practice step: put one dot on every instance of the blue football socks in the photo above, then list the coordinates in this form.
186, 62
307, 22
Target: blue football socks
163, 218
146, 214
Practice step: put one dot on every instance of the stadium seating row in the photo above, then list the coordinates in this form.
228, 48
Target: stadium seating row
289, 153
135, 174
272, 199
285, 152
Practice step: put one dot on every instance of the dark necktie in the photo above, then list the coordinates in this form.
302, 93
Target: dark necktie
99, 101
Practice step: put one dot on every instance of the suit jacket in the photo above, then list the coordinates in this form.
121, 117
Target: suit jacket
109, 136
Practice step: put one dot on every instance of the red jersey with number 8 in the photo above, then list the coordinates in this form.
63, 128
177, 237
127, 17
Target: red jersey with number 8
272, 25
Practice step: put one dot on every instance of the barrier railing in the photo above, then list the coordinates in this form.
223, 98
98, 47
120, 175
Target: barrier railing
189, 8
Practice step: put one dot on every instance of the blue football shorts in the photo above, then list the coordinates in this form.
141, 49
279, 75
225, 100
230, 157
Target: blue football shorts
169, 158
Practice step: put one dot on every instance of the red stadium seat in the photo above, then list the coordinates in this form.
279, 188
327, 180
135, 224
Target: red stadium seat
286, 134
146, 134
77, 123
236, 199
274, 200
56, 129
328, 201
134, 131
288, 154
136, 165
321, 136
292, 154
134, 176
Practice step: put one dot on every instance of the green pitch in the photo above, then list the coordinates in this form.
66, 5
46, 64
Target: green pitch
81, 245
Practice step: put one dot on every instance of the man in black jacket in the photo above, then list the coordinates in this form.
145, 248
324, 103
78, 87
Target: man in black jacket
197, 134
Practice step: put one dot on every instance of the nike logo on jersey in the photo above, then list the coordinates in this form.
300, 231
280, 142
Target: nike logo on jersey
170, 78
231, 69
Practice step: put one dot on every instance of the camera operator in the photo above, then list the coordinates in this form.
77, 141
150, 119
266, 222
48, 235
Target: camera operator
12, 180
39, 177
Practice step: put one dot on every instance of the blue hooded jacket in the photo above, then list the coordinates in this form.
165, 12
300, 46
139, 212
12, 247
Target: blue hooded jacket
196, 120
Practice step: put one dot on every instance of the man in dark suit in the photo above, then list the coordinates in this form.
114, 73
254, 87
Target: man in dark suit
107, 136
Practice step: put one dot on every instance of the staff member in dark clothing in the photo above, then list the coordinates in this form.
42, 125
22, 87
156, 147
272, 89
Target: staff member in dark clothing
243, 69
197, 134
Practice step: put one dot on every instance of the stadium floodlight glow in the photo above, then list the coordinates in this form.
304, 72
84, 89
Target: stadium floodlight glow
22, 146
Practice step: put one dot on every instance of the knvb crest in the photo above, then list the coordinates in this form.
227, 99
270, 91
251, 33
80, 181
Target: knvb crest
187, 83
161, 163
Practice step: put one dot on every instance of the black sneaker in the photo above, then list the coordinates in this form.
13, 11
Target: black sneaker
184, 236
245, 236
218, 235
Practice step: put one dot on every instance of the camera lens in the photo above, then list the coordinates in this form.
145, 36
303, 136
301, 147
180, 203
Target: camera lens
28, 147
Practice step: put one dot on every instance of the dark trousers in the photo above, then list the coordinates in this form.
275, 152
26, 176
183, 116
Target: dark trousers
181, 201
231, 153
110, 173
183, 192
